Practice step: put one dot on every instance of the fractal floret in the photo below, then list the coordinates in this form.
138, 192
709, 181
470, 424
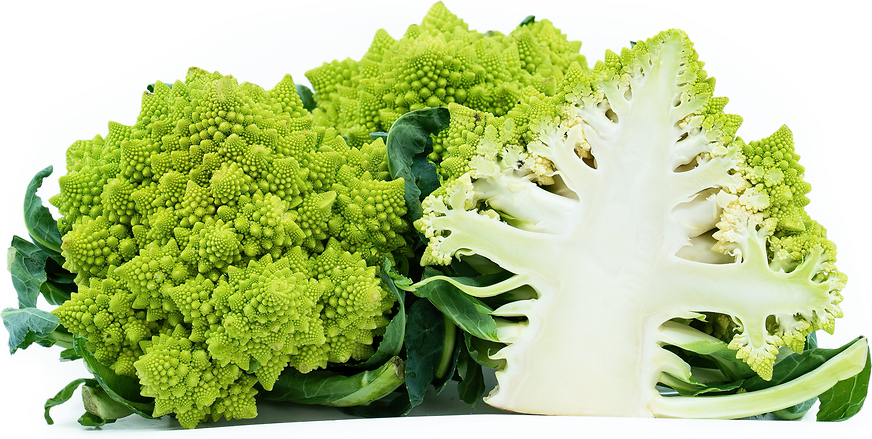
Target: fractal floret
224, 238
557, 193
437, 63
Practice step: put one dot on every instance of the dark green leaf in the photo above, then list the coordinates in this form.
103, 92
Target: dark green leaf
58, 274
332, 389
63, 396
122, 389
27, 326
795, 412
696, 388
408, 145
307, 97
424, 343
530, 19
57, 294
34, 271
846, 398
471, 386
392, 341
27, 266
467, 312
426, 178
42, 227
450, 352
70, 355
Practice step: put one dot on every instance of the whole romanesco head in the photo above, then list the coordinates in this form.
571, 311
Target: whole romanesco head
223, 238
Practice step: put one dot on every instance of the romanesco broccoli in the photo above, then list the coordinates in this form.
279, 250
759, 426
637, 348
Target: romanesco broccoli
625, 207
222, 238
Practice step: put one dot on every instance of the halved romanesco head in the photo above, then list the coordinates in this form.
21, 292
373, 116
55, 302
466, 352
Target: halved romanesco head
625, 201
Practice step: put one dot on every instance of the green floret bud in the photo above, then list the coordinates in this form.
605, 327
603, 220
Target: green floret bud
268, 313
355, 309
183, 380
437, 63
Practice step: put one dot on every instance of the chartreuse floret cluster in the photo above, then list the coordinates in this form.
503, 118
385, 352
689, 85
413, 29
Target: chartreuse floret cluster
223, 238
437, 63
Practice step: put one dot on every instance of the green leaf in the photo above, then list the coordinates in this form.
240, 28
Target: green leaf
27, 266
69, 355
811, 341
57, 294
426, 178
800, 410
725, 358
794, 366
846, 398
482, 350
530, 19
392, 341
328, 388
122, 389
307, 97
408, 145
91, 420
467, 312
27, 326
795, 412
42, 227
694, 387
471, 386
34, 271
450, 353
397, 280
424, 344
63, 396
59, 285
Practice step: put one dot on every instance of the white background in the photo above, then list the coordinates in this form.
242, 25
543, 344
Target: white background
69, 68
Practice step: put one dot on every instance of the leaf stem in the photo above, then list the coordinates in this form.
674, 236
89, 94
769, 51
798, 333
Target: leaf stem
62, 339
447, 348
844, 365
